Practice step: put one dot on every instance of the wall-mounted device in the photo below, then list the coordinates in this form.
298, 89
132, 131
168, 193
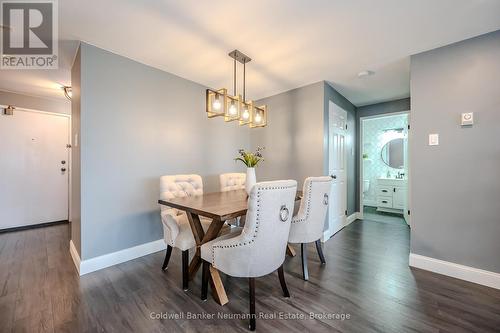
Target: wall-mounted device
9, 110
467, 119
433, 139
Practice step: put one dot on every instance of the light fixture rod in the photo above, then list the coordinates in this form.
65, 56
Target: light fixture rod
234, 78
244, 99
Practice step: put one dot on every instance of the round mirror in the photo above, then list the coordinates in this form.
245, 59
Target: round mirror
393, 153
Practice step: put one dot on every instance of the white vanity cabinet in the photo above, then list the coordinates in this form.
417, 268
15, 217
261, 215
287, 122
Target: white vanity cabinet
391, 195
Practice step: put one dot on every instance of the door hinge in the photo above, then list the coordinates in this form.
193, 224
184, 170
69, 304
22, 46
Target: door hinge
346, 212
68, 146
345, 126
408, 212
408, 126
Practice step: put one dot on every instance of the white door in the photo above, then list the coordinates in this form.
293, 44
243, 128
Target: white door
337, 166
33, 176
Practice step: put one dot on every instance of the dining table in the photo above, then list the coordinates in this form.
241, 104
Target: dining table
219, 207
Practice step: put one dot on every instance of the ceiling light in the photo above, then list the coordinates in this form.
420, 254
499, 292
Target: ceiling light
235, 107
365, 73
68, 92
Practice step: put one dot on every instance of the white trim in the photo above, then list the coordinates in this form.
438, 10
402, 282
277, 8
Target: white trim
74, 255
114, 258
471, 274
327, 234
351, 218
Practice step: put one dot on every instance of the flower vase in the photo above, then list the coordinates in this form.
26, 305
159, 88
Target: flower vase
250, 181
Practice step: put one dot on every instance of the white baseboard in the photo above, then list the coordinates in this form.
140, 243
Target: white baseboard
353, 217
327, 234
74, 255
471, 274
114, 258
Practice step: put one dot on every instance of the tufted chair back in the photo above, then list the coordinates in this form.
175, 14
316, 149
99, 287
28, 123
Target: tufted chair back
308, 224
261, 247
178, 186
232, 181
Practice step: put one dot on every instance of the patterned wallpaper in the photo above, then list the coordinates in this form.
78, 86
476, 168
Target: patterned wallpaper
374, 138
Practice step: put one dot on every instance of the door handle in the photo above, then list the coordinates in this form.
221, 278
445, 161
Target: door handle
63, 169
334, 176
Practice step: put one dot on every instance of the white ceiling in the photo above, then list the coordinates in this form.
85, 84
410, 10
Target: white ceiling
292, 43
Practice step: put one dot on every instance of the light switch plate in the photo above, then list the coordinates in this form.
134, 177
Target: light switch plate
467, 118
433, 139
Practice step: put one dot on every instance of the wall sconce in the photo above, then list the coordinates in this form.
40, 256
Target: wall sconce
68, 92
9, 110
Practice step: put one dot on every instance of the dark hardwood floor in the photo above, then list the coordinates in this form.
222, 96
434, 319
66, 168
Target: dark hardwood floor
366, 277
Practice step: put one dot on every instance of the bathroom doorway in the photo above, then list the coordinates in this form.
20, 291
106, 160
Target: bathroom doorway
384, 168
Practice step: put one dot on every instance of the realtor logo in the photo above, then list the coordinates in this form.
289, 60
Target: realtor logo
29, 34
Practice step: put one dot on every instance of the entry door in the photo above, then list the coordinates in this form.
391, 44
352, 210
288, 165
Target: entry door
33, 176
337, 166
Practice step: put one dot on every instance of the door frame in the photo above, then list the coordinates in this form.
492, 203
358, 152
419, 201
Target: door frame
70, 169
328, 233
360, 161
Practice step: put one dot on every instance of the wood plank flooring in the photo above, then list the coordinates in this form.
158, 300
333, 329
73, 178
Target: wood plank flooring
366, 276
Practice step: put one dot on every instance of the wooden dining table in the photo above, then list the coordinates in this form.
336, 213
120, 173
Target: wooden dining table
219, 207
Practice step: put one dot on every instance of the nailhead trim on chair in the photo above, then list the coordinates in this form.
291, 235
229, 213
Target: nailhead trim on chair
308, 206
309, 192
256, 224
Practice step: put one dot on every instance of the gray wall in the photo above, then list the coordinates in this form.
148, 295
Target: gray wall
138, 123
332, 95
75, 196
382, 108
35, 103
397, 105
455, 191
293, 137
296, 138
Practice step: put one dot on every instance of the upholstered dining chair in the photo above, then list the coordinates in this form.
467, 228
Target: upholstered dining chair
307, 225
260, 248
176, 229
230, 182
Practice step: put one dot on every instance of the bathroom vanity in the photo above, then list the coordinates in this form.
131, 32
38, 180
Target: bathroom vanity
391, 195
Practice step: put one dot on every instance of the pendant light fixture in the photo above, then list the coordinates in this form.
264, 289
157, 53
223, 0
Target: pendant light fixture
235, 107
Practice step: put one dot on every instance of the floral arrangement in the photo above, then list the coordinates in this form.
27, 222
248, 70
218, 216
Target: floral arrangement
250, 159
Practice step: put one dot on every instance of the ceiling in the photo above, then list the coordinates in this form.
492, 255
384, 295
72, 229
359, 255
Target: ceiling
292, 43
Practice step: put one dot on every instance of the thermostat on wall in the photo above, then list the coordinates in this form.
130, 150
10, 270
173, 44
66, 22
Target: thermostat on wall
467, 118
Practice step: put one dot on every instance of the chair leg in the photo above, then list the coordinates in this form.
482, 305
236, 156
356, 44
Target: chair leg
303, 250
251, 287
204, 280
185, 269
320, 252
281, 275
167, 257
